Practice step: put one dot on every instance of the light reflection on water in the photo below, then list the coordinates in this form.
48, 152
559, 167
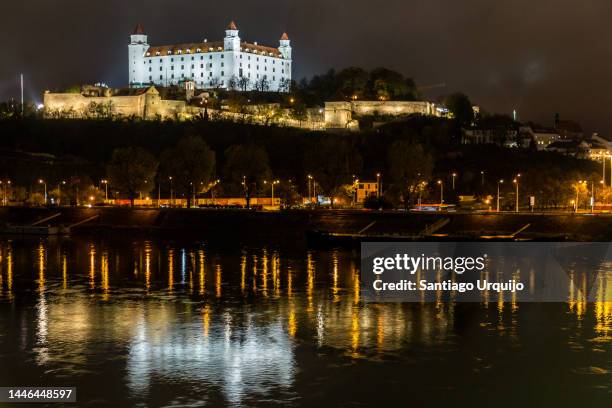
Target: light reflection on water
249, 325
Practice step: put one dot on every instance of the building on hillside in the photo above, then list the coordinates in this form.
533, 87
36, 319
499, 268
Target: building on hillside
541, 137
230, 64
600, 147
568, 129
574, 148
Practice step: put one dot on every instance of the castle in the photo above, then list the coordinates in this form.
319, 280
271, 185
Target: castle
228, 64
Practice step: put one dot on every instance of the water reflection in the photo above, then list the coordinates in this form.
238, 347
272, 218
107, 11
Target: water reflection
235, 321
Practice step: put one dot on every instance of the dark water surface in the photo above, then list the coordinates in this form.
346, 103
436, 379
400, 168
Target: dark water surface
137, 322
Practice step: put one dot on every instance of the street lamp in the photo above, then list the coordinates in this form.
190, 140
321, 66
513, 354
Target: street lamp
105, 182
378, 186
59, 192
516, 182
454, 175
498, 183
41, 181
273, 183
441, 191
171, 192
309, 190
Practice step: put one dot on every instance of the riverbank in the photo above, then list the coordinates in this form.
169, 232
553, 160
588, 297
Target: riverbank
295, 224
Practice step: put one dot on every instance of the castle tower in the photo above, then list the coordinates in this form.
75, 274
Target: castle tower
231, 42
136, 51
285, 46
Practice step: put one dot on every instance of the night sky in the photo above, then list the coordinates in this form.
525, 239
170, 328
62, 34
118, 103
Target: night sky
536, 56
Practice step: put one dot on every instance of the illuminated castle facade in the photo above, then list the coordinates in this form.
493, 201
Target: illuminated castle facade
229, 64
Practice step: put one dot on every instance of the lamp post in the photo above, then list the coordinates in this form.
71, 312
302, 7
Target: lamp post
498, 183
454, 175
105, 182
441, 191
482, 175
59, 192
171, 192
44, 183
378, 186
309, 190
273, 183
516, 182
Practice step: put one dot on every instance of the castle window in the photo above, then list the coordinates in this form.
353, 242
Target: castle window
210, 74
172, 76
201, 57
182, 67
150, 78
160, 68
221, 64
182, 59
149, 69
182, 75
210, 57
222, 74
273, 78
201, 74
222, 55
201, 65
161, 77
273, 69
258, 59
171, 59
172, 67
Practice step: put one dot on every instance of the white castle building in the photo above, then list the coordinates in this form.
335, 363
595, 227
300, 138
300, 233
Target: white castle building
230, 64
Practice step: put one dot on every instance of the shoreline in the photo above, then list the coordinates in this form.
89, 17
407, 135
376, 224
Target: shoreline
296, 224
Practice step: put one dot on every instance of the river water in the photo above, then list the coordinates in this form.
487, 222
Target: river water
156, 322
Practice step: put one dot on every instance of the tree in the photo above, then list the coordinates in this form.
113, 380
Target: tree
130, 171
262, 85
243, 83
333, 162
353, 82
284, 85
409, 167
191, 164
246, 167
460, 107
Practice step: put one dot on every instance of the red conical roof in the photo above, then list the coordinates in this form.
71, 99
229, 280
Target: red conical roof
232, 26
139, 29
284, 37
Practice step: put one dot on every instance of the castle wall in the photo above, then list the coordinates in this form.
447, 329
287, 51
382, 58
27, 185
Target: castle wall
340, 114
148, 106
